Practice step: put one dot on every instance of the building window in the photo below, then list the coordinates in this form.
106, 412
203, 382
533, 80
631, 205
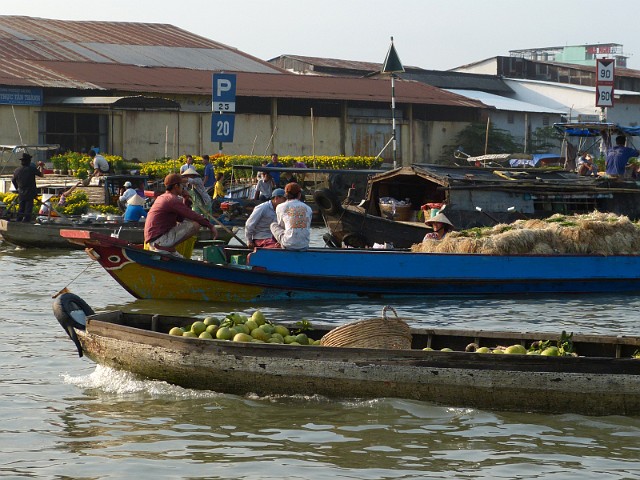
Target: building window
76, 132
545, 120
511, 118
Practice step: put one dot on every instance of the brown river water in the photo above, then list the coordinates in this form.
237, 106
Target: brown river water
64, 417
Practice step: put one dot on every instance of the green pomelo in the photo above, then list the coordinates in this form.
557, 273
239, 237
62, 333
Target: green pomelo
189, 334
550, 352
225, 333
206, 335
260, 334
282, 330
516, 350
211, 321
177, 331
251, 325
258, 317
212, 329
483, 350
242, 337
198, 327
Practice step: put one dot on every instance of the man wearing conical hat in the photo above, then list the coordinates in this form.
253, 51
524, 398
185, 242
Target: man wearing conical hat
441, 226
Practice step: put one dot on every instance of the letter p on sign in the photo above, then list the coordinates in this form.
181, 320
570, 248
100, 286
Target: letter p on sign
224, 93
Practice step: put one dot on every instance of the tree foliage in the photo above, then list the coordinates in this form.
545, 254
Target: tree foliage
472, 142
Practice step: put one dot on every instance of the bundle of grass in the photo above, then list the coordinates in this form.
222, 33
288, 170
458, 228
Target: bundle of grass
594, 233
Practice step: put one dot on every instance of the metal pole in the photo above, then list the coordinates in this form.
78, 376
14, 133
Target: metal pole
393, 119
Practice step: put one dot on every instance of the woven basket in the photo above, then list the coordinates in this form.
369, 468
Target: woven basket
389, 333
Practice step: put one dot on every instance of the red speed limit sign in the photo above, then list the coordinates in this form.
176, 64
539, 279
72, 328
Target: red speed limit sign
604, 96
605, 76
606, 70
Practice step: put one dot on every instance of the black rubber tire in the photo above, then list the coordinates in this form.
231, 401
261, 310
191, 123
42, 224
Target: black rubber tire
67, 303
355, 240
327, 201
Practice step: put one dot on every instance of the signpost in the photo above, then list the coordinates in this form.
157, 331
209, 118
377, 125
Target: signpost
393, 65
605, 77
223, 106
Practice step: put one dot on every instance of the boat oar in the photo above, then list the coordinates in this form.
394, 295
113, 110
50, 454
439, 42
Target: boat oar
224, 227
488, 215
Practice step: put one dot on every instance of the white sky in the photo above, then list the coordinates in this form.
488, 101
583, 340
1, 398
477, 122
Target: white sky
431, 34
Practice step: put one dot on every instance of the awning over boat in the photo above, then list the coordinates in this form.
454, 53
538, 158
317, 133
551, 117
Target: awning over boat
594, 129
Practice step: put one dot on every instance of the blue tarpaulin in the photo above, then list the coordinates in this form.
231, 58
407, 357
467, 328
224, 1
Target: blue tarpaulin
594, 129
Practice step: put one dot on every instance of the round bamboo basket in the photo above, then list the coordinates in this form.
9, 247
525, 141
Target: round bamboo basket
384, 332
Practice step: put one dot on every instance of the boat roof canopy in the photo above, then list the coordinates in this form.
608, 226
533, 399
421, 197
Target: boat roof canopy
594, 129
26, 148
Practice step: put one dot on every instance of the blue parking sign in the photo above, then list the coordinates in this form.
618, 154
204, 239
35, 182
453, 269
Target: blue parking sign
224, 93
222, 126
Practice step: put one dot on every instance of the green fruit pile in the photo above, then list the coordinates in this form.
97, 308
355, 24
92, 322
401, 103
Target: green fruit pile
241, 328
562, 348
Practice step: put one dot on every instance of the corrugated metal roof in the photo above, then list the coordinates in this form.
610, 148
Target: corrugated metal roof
504, 103
163, 59
149, 44
131, 78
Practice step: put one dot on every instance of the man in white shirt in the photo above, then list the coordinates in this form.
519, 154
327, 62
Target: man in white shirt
100, 164
292, 228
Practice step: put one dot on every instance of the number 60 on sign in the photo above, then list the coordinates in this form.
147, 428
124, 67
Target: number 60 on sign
604, 96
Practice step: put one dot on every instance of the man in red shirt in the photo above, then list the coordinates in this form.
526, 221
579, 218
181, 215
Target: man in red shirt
170, 220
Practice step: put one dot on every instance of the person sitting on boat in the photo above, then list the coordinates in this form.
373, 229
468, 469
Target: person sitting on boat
292, 228
200, 198
585, 165
170, 219
126, 195
441, 226
264, 188
218, 188
257, 229
617, 156
46, 208
135, 211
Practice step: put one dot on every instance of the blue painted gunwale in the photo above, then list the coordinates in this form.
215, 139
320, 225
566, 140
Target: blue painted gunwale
324, 273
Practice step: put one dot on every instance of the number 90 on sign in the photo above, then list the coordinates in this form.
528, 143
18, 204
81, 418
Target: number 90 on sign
222, 127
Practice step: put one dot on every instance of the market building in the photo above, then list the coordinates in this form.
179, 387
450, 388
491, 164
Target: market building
144, 91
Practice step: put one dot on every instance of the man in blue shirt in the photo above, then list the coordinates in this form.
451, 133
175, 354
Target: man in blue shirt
209, 178
618, 156
275, 174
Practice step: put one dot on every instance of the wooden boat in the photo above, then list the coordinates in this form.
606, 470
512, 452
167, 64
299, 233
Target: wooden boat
474, 197
603, 380
320, 273
47, 235
341, 182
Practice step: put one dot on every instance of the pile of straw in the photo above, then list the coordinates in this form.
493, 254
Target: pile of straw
594, 233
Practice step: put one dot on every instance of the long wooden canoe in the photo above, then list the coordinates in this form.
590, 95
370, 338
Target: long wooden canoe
603, 380
47, 235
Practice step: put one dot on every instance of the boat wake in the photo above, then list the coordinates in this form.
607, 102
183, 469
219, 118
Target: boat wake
119, 382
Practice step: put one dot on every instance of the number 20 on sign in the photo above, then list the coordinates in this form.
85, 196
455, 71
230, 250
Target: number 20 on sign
222, 127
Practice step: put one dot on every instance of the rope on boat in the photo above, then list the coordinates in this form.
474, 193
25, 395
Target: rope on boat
65, 289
